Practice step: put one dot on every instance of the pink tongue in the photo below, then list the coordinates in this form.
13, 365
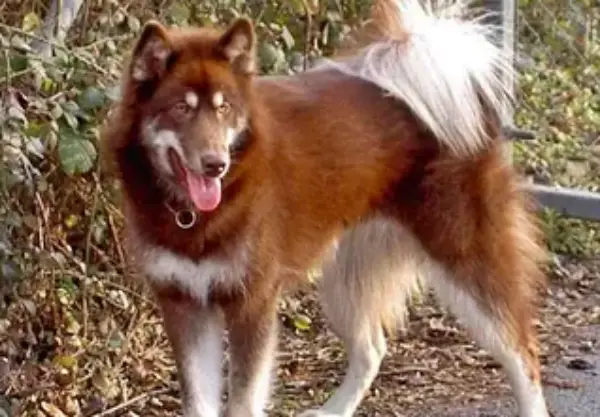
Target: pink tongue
205, 192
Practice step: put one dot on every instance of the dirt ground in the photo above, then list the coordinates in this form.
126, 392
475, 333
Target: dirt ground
78, 338
434, 366
430, 367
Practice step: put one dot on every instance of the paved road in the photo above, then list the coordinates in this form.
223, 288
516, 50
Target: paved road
580, 399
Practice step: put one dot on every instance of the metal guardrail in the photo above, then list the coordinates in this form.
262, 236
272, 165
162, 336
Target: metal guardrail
568, 201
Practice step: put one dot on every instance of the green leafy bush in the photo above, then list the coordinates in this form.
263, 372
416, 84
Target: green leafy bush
60, 228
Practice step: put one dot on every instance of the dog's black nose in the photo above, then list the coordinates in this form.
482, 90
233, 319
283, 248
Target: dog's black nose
213, 165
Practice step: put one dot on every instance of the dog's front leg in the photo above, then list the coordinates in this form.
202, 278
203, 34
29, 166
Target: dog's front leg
252, 347
196, 336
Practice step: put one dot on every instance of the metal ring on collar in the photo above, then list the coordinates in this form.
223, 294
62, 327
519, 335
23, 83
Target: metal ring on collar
182, 215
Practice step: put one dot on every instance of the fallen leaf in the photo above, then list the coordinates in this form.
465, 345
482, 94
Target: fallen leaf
52, 410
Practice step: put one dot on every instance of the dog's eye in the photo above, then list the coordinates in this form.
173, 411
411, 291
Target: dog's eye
182, 108
224, 108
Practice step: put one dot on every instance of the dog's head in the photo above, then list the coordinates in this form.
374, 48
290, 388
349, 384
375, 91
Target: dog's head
190, 91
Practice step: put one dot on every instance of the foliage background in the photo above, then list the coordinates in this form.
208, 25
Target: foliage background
77, 335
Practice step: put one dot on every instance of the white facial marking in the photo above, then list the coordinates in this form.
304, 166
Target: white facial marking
191, 99
231, 135
218, 99
161, 141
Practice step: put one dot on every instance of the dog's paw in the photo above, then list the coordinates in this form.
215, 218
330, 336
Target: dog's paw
316, 413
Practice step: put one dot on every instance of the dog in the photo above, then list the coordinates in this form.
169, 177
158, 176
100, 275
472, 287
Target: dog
385, 164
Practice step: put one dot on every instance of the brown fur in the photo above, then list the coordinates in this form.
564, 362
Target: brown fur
323, 154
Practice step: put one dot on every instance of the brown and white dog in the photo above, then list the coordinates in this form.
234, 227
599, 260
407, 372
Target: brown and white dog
386, 165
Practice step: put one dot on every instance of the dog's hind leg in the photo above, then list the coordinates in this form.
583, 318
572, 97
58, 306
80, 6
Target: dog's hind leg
505, 333
486, 256
490, 286
496, 303
363, 291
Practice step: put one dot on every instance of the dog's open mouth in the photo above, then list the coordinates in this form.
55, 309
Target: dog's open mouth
204, 191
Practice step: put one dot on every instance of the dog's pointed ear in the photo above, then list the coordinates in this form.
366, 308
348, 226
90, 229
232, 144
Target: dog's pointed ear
152, 53
238, 44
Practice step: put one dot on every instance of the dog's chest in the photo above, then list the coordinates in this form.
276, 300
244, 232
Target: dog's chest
163, 266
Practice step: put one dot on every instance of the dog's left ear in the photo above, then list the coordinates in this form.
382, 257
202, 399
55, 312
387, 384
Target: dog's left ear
238, 44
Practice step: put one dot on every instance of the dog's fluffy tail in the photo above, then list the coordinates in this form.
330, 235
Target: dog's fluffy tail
441, 63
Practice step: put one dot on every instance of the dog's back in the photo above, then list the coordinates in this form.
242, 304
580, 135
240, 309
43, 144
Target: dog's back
385, 164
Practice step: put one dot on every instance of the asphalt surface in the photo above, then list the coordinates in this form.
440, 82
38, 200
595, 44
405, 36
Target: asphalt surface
574, 392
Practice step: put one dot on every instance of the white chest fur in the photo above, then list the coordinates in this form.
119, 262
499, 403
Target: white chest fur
198, 277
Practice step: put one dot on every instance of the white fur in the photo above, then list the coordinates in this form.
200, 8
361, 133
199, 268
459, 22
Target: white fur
262, 387
375, 265
159, 51
485, 330
231, 135
364, 360
529, 395
202, 359
160, 141
165, 267
217, 99
464, 306
191, 99
439, 66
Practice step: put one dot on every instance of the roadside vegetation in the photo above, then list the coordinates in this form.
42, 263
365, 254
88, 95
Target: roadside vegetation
80, 337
